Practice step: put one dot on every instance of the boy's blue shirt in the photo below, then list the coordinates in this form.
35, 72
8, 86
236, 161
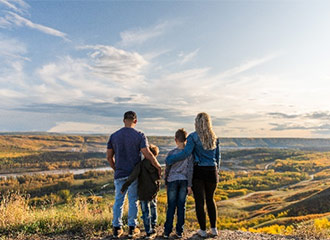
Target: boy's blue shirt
202, 157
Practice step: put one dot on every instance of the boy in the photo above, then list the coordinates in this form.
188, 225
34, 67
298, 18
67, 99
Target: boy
178, 180
148, 186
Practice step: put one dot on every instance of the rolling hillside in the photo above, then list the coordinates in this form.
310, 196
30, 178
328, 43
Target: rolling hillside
40, 141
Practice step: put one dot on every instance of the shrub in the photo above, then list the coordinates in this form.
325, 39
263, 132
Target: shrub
65, 195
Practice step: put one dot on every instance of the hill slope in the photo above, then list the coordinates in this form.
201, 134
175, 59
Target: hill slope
317, 203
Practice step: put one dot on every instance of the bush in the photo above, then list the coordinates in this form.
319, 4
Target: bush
65, 195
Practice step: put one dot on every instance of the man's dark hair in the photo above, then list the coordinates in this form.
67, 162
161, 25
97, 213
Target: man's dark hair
181, 135
130, 115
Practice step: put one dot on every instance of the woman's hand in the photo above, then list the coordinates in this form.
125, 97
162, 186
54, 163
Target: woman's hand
189, 190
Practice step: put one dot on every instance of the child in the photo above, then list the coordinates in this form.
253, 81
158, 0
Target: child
148, 186
178, 180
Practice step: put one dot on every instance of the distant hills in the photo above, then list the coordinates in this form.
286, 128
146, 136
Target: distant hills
99, 141
320, 144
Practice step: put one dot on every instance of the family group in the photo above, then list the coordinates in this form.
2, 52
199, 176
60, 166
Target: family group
191, 168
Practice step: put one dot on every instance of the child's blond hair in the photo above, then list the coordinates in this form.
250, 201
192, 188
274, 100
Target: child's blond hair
154, 149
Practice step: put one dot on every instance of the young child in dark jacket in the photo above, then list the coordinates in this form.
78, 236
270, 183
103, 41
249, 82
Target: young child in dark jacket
148, 186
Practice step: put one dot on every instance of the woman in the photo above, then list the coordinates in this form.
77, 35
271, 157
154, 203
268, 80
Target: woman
204, 146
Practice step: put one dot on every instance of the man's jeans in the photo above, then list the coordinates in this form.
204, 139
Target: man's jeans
149, 214
119, 202
176, 199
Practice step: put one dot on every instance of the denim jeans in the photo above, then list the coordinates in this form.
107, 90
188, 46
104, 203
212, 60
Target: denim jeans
119, 202
176, 200
149, 214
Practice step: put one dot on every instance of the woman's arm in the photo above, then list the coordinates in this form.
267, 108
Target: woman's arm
183, 154
218, 154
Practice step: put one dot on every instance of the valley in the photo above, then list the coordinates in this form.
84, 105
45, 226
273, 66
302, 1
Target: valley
275, 190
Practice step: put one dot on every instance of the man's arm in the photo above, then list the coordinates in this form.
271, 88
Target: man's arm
148, 155
110, 154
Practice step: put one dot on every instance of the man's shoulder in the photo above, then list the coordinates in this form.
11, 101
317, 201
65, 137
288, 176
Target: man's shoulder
125, 130
116, 132
133, 131
138, 132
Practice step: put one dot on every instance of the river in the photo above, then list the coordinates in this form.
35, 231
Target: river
163, 149
58, 171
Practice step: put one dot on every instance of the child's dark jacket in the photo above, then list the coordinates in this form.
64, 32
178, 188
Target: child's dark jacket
148, 180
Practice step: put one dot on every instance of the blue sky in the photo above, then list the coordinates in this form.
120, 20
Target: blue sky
259, 68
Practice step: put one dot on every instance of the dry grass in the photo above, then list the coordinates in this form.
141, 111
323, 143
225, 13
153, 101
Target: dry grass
317, 229
16, 216
83, 217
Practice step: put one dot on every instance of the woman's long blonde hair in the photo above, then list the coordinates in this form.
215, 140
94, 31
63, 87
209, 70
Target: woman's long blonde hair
203, 127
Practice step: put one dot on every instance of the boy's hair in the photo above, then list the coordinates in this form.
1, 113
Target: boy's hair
181, 135
154, 149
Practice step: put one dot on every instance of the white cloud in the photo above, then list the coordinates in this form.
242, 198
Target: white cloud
12, 61
117, 65
184, 58
68, 81
18, 6
181, 90
12, 18
197, 89
240, 69
141, 35
80, 127
12, 48
7, 93
106, 74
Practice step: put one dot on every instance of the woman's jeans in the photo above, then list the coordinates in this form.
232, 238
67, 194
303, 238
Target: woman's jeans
119, 202
149, 214
176, 200
204, 192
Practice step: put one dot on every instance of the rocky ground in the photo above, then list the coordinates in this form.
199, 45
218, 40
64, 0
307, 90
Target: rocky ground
223, 235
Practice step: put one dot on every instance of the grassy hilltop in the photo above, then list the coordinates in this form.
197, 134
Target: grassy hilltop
270, 190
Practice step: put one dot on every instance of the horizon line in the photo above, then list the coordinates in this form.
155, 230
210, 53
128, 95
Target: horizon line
106, 134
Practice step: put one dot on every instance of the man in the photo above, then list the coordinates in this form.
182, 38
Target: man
126, 145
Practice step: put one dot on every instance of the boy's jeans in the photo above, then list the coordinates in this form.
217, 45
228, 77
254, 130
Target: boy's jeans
149, 214
119, 201
176, 199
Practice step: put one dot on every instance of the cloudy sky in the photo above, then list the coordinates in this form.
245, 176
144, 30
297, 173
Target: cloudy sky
259, 68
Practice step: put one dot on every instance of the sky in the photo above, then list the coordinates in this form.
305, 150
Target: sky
258, 68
